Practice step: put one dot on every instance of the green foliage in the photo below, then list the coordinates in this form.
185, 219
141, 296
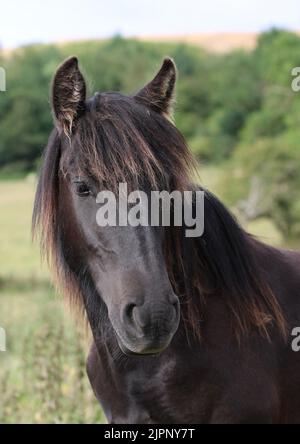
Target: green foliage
274, 163
226, 104
277, 53
268, 151
42, 373
207, 84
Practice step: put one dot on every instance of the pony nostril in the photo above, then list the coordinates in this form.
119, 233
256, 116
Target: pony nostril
128, 313
143, 317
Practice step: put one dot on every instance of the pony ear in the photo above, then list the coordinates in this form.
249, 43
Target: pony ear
68, 95
159, 93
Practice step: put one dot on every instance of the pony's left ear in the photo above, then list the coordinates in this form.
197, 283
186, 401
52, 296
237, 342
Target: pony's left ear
159, 93
68, 95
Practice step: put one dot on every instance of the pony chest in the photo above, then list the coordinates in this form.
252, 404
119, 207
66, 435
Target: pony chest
162, 394
133, 398
149, 390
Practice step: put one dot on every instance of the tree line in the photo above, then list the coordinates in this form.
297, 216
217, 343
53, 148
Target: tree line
236, 109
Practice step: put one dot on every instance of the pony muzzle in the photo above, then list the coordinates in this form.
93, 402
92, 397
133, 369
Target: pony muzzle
148, 329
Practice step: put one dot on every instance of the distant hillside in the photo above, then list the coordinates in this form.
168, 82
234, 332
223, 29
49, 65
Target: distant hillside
218, 42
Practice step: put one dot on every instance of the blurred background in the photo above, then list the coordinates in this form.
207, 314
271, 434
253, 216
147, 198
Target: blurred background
235, 106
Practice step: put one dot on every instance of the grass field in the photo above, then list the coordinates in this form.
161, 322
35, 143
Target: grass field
42, 374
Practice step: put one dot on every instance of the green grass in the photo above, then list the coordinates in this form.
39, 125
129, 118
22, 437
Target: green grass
42, 373
19, 256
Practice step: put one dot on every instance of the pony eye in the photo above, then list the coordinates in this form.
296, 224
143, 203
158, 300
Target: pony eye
82, 189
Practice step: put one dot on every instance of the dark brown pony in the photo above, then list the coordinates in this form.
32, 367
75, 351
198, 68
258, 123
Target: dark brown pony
186, 330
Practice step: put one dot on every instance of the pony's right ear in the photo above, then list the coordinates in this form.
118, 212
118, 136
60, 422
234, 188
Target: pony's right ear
159, 93
68, 95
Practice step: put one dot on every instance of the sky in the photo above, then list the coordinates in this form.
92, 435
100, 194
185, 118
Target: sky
32, 21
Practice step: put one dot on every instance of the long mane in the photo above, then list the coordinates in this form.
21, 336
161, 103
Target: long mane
118, 141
